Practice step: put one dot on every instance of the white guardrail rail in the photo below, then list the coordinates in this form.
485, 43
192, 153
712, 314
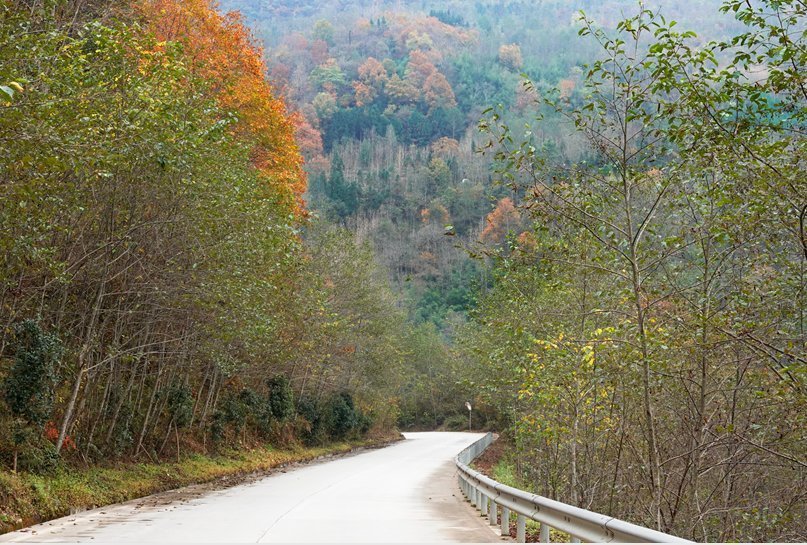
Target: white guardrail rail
489, 496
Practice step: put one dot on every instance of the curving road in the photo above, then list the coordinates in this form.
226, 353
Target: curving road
404, 493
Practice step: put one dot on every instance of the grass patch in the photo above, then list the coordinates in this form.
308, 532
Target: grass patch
27, 498
504, 471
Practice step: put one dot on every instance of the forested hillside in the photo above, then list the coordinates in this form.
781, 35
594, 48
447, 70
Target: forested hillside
161, 288
302, 222
390, 94
630, 265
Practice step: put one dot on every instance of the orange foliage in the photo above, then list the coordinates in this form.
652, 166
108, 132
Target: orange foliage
527, 241
52, 435
308, 138
373, 73
435, 212
419, 68
503, 218
438, 92
220, 50
442, 36
364, 93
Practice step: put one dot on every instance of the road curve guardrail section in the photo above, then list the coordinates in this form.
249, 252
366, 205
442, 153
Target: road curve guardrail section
492, 498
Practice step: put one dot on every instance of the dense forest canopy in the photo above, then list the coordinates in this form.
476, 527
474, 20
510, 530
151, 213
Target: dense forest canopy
389, 96
287, 221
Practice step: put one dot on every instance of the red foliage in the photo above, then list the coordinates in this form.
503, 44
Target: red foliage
363, 93
308, 138
566, 88
52, 435
319, 51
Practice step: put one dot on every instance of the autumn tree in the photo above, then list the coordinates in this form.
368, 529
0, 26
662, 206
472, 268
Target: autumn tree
373, 73
402, 90
500, 221
221, 50
419, 68
363, 93
510, 56
438, 92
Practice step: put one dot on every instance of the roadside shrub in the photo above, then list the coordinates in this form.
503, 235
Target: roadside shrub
366, 422
29, 386
37, 455
234, 413
29, 390
310, 423
281, 398
456, 422
341, 416
180, 404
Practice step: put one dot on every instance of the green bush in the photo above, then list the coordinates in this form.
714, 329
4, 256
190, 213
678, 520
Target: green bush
180, 404
314, 433
29, 386
456, 422
38, 455
281, 398
28, 392
236, 411
341, 416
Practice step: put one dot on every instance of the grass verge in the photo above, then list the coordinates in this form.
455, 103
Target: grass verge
27, 499
498, 463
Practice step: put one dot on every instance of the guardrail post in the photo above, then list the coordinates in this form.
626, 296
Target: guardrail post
484, 505
544, 533
505, 521
493, 513
474, 496
521, 528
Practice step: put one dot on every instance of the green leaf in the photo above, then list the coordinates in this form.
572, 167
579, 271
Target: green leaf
6, 93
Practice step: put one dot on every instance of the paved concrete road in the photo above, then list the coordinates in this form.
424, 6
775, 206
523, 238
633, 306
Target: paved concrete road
405, 493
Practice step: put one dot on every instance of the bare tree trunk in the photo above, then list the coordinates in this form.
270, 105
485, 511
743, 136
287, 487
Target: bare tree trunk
82, 364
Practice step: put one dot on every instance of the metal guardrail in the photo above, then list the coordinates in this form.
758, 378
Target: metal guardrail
489, 496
